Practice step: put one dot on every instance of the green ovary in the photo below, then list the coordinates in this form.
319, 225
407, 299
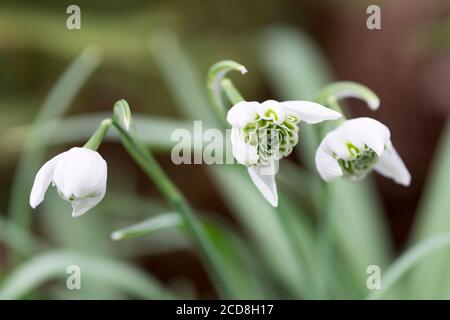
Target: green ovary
272, 140
361, 165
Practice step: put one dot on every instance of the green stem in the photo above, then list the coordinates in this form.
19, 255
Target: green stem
96, 139
405, 262
150, 166
216, 74
232, 93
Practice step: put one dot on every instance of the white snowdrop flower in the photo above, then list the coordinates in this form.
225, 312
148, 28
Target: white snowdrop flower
79, 176
356, 147
263, 133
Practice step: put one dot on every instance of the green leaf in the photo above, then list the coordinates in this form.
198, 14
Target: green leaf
233, 253
216, 74
149, 226
433, 218
410, 258
51, 265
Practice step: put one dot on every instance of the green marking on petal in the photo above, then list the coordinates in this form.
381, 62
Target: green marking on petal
271, 114
272, 140
361, 165
354, 150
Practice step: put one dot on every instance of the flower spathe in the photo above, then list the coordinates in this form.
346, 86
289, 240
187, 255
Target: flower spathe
357, 147
263, 133
79, 176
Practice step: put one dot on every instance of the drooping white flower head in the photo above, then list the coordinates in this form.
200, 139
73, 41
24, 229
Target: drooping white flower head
356, 147
263, 133
79, 176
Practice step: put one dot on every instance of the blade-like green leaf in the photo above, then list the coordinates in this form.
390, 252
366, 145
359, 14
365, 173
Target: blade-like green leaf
234, 255
51, 265
149, 226
429, 280
405, 262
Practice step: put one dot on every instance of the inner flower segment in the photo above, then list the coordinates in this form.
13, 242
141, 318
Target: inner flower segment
272, 140
361, 164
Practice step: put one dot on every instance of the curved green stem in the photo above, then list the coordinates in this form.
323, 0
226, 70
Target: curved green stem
405, 262
232, 93
96, 139
346, 89
216, 74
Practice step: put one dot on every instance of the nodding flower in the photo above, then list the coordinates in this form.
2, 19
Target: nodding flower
357, 147
263, 133
79, 175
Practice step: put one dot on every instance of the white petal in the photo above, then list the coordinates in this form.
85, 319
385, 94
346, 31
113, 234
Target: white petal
335, 142
271, 110
327, 166
358, 132
80, 173
242, 113
391, 165
43, 179
374, 134
265, 183
309, 112
244, 153
81, 205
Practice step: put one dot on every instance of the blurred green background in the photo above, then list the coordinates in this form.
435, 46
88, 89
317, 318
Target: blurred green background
156, 54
